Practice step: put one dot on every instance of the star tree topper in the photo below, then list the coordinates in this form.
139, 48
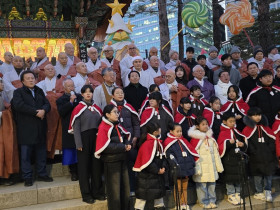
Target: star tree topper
116, 7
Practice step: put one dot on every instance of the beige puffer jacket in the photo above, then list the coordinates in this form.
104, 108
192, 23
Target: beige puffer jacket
209, 163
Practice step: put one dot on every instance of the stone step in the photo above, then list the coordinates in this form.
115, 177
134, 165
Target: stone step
62, 188
58, 170
77, 204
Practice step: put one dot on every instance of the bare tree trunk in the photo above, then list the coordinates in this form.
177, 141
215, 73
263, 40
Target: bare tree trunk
179, 26
164, 30
216, 28
264, 26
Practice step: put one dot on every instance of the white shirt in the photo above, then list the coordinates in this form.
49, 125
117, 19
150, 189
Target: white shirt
171, 65
47, 84
5, 68
70, 60
165, 91
79, 82
62, 70
153, 73
8, 86
221, 90
201, 82
125, 66
92, 67
36, 64
105, 60
145, 79
99, 96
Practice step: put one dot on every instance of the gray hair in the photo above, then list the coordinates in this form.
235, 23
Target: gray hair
104, 71
171, 52
197, 67
68, 78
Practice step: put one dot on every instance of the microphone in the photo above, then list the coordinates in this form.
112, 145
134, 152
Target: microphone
237, 150
73, 93
174, 159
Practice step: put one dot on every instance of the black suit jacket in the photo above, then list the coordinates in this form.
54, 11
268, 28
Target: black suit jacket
30, 129
65, 108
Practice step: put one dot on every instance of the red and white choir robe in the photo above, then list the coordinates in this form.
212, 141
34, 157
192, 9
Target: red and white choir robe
53, 90
239, 104
171, 139
104, 133
79, 109
226, 134
115, 65
40, 65
94, 70
209, 114
150, 149
180, 118
276, 131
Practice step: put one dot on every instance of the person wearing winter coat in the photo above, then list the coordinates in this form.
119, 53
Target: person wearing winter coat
179, 150
222, 86
198, 100
157, 113
184, 116
237, 62
208, 165
266, 96
213, 62
129, 119
230, 140
213, 115
235, 105
234, 74
205, 86
150, 166
112, 145
276, 131
261, 150
247, 84
84, 122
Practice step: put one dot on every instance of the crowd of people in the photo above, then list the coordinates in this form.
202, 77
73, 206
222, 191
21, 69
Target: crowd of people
129, 121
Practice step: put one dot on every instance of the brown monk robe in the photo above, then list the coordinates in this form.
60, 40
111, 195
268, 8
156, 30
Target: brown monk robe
155, 71
63, 68
94, 65
9, 161
53, 91
110, 61
38, 66
173, 91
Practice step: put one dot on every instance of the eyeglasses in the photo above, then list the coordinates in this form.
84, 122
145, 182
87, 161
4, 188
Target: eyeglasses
133, 48
106, 51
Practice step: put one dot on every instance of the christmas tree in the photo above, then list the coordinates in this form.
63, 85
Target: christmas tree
118, 33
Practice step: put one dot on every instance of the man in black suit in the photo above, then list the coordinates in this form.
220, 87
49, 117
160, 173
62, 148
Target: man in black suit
65, 105
30, 107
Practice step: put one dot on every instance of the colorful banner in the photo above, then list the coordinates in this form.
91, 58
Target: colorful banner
25, 47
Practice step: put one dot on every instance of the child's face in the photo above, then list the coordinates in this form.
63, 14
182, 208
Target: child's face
256, 118
232, 94
216, 105
153, 103
230, 122
177, 132
186, 107
203, 126
196, 93
157, 132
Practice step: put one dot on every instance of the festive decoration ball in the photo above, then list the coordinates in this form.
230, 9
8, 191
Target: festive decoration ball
194, 14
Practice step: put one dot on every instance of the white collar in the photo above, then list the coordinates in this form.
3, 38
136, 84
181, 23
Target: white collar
201, 82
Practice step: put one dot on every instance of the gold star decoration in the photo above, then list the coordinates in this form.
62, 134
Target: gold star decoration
116, 7
111, 23
129, 26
